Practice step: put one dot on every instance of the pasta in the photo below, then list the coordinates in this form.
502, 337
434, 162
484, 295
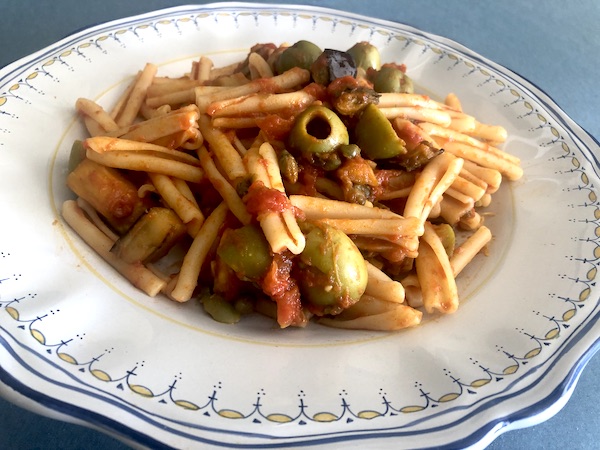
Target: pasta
317, 191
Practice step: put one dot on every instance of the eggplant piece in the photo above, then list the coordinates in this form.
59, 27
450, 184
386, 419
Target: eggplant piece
349, 96
152, 236
109, 192
331, 65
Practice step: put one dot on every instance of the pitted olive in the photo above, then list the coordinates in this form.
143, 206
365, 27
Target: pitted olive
302, 54
393, 80
246, 251
365, 55
317, 130
333, 271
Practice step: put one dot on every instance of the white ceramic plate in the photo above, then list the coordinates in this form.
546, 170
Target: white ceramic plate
80, 341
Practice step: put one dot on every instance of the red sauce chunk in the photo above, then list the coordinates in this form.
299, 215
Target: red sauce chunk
275, 126
261, 199
284, 290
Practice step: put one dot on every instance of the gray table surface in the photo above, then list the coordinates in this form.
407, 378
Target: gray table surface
553, 43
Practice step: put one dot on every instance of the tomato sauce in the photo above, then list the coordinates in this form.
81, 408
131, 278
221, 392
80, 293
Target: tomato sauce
284, 290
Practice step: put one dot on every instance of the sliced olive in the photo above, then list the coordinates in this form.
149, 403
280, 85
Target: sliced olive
317, 130
302, 54
365, 55
376, 136
334, 273
331, 65
246, 251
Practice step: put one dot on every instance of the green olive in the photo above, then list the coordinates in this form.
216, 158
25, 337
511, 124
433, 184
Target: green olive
375, 135
246, 251
391, 79
317, 130
220, 309
77, 155
365, 55
289, 166
302, 54
334, 274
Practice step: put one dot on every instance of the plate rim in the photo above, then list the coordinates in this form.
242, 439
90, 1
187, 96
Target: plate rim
569, 382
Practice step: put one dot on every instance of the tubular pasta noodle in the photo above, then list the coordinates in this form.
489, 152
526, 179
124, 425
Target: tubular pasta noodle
417, 113
281, 229
396, 318
452, 209
228, 192
491, 177
322, 208
96, 113
135, 160
452, 101
435, 274
172, 98
95, 219
382, 286
225, 152
286, 80
454, 136
263, 103
137, 96
259, 68
185, 209
409, 226
461, 257
435, 179
484, 158
192, 263
464, 253
120, 104
159, 126
104, 145
394, 100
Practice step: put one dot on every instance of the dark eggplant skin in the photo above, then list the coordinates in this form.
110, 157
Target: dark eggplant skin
331, 65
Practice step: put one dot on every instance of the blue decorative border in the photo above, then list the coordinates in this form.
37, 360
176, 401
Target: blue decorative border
27, 66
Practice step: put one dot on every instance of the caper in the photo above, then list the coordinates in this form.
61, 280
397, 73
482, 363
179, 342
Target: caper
350, 150
302, 54
317, 130
365, 55
246, 251
375, 135
391, 79
334, 273
289, 166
